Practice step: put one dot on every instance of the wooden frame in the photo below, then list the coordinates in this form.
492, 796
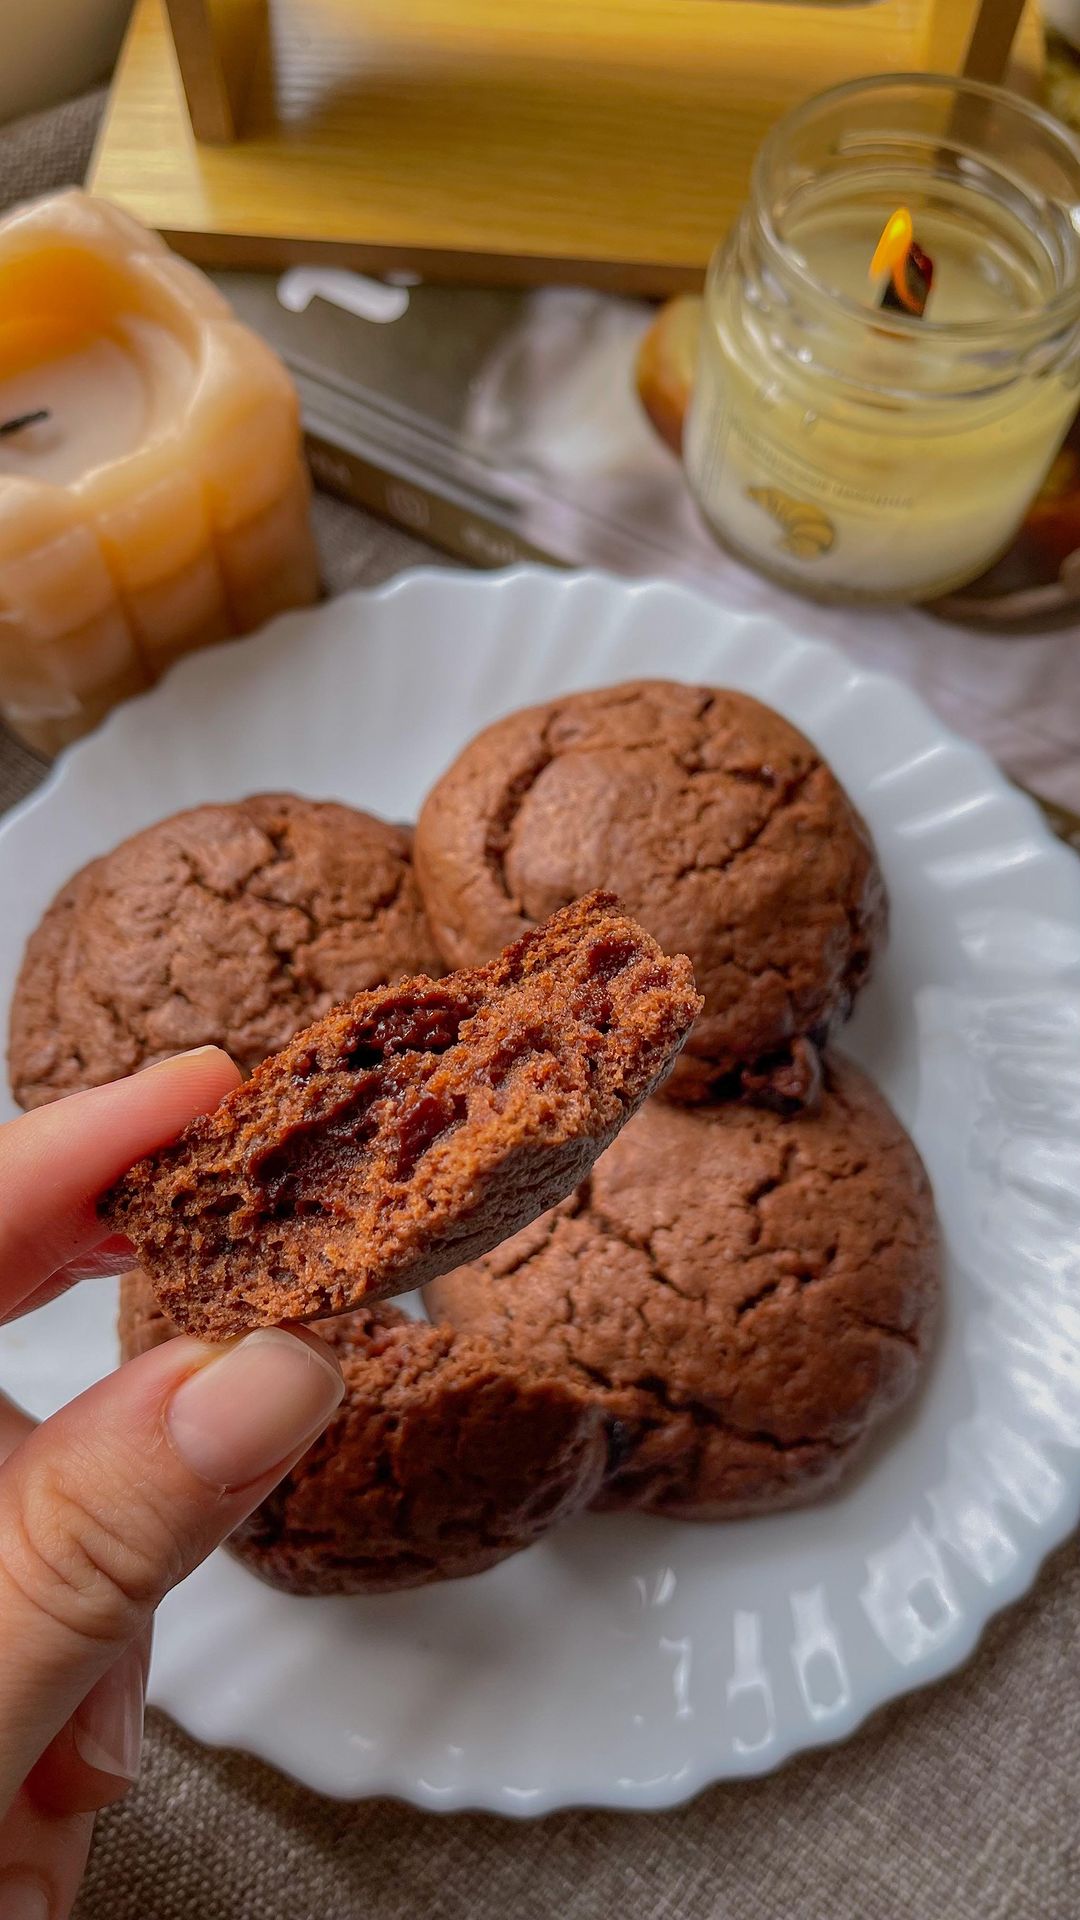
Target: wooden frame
607, 142
216, 42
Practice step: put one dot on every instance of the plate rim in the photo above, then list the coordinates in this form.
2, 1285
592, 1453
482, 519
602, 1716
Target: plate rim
120, 717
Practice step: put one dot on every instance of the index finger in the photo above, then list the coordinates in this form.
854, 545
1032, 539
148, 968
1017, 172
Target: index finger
57, 1161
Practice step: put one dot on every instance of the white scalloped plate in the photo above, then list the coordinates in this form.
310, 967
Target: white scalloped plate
630, 1661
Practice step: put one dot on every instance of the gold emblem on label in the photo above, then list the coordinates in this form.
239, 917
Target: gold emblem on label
805, 530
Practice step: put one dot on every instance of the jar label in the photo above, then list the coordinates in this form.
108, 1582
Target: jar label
843, 508
806, 530
806, 502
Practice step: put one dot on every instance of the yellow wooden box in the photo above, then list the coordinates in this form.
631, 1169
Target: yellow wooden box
599, 141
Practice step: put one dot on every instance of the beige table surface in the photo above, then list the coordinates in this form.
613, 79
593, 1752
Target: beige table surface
961, 1803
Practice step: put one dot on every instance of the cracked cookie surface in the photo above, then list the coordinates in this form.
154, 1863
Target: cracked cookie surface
410, 1129
746, 1294
716, 822
441, 1460
230, 925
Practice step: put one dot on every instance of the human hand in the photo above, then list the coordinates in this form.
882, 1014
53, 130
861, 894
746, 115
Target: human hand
107, 1505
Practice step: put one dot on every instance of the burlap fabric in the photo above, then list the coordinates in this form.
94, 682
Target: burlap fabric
958, 1804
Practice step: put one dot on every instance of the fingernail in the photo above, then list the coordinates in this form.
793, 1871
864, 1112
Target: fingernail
22, 1897
253, 1406
108, 1727
189, 1053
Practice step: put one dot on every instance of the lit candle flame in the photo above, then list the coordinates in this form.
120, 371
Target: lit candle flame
894, 243
899, 255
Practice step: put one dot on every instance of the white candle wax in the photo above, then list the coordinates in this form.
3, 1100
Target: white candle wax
102, 398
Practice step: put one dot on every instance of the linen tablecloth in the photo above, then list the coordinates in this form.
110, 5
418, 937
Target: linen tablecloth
960, 1803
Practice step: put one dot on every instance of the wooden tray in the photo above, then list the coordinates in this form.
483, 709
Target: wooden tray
608, 143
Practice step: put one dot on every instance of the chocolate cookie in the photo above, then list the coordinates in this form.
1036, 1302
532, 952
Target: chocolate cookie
745, 1294
409, 1130
233, 925
441, 1460
718, 824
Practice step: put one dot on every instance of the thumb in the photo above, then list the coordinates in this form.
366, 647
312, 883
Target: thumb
106, 1506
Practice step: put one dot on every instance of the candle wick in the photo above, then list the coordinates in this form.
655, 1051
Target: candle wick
22, 420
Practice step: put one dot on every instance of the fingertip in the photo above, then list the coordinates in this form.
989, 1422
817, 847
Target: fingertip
253, 1406
56, 1161
94, 1760
63, 1782
207, 1074
152, 1106
311, 1337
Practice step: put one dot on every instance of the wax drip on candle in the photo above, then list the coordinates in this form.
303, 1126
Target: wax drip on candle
910, 270
23, 420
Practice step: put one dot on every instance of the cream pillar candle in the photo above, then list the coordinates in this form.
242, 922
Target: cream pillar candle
153, 492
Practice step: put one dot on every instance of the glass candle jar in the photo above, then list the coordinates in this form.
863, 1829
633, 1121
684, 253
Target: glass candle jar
857, 453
